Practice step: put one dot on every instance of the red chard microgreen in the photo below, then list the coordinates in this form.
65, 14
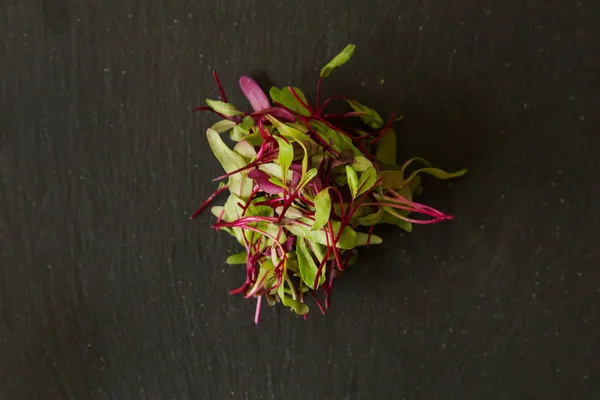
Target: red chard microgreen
306, 188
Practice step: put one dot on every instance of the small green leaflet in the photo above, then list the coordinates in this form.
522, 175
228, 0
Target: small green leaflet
407, 226
296, 305
438, 173
238, 258
245, 149
413, 160
274, 93
322, 209
286, 97
291, 212
285, 157
307, 177
242, 130
223, 108
296, 135
277, 181
338, 140
288, 131
265, 274
231, 161
367, 180
352, 181
347, 241
370, 219
306, 263
361, 164
371, 117
274, 170
338, 60
387, 147
363, 239
223, 125
392, 179
233, 212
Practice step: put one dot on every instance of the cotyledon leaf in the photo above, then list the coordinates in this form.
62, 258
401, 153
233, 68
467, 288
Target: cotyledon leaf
386, 149
338, 60
370, 118
322, 209
230, 161
366, 181
221, 107
352, 181
438, 173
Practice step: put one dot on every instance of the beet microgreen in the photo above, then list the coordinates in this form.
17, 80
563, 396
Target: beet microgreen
303, 185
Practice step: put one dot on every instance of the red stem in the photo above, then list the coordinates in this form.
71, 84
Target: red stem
223, 97
208, 201
308, 108
384, 130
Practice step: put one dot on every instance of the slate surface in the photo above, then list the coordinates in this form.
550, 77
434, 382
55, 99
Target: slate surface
108, 291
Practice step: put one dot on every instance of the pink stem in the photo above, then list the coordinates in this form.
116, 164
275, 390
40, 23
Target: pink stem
208, 201
219, 86
257, 313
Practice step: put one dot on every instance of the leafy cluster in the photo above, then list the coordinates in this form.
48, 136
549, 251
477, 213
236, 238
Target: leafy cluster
302, 184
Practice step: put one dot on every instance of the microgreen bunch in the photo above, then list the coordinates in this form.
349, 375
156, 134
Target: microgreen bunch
306, 188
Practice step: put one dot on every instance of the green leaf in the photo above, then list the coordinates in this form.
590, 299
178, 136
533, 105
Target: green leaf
306, 263
307, 177
387, 148
276, 181
296, 305
322, 209
407, 226
242, 130
285, 157
238, 258
223, 108
339, 141
367, 180
338, 60
254, 138
288, 131
286, 97
223, 125
361, 163
245, 149
347, 240
296, 135
413, 160
371, 117
233, 212
291, 212
392, 179
274, 170
274, 93
265, 274
370, 219
363, 239
352, 181
231, 161
438, 173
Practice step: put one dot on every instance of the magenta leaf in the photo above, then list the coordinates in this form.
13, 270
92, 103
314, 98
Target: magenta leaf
255, 95
262, 179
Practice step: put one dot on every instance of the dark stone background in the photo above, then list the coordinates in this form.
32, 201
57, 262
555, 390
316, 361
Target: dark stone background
108, 291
